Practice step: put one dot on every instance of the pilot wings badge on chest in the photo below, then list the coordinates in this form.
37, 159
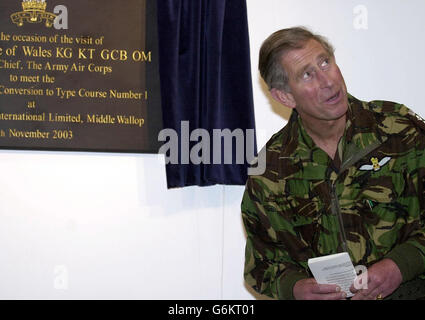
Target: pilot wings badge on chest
376, 164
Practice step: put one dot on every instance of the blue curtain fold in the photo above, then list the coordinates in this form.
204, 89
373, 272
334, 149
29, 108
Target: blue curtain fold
205, 77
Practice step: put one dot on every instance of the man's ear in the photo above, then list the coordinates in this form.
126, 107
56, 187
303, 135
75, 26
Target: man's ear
283, 97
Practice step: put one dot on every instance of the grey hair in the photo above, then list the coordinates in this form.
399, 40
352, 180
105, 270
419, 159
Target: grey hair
278, 44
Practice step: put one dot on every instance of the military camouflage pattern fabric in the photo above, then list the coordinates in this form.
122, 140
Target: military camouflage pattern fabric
371, 204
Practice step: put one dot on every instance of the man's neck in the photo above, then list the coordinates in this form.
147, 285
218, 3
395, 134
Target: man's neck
326, 134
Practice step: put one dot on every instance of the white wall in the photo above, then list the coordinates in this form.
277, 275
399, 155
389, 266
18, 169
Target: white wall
104, 226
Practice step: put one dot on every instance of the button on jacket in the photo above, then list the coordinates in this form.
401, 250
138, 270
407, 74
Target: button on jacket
369, 202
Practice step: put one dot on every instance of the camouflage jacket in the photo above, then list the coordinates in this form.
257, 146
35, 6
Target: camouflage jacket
372, 206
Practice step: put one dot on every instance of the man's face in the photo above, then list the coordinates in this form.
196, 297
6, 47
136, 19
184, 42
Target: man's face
317, 87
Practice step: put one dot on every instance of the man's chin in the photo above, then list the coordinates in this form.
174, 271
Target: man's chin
339, 113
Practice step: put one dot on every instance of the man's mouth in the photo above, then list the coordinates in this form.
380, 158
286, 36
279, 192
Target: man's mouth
334, 98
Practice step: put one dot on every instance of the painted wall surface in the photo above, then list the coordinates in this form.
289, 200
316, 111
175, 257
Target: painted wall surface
104, 226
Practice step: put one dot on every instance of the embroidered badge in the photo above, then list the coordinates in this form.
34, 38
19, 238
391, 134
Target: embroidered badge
376, 164
370, 203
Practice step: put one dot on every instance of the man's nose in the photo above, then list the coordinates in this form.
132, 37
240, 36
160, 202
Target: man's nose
325, 80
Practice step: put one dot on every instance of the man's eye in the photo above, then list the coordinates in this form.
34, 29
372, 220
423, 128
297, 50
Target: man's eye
306, 75
325, 62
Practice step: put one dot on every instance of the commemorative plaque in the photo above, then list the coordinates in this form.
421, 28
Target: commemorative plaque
79, 75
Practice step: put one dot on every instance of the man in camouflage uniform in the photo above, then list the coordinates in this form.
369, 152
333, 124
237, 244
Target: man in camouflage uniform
342, 175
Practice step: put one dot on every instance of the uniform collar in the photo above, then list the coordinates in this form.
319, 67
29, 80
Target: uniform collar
361, 136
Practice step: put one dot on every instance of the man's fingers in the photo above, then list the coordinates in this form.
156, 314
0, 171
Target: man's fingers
309, 289
331, 296
372, 294
369, 294
373, 289
353, 289
325, 288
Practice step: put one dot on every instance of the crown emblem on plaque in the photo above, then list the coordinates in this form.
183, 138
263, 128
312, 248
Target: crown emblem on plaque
34, 12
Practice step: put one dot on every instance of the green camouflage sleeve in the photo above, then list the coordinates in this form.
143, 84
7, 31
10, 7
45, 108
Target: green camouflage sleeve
409, 254
269, 268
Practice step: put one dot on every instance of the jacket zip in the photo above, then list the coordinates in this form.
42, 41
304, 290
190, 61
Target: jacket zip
336, 210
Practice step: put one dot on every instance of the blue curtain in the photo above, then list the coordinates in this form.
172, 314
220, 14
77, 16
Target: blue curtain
205, 80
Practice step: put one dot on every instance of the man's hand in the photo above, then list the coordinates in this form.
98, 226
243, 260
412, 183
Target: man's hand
309, 289
382, 279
